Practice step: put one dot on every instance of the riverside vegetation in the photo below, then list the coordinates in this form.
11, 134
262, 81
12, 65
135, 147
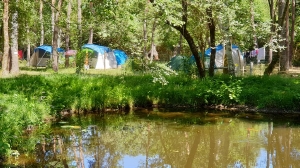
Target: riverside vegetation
28, 101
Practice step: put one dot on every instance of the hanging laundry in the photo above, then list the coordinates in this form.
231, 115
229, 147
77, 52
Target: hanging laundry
253, 53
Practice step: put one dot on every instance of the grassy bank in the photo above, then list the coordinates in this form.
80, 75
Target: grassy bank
27, 100
98, 92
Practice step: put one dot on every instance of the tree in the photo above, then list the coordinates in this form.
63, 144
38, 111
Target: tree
212, 31
79, 21
42, 23
5, 60
14, 69
284, 54
55, 36
186, 34
281, 15
293, 22
69, 11
92, 13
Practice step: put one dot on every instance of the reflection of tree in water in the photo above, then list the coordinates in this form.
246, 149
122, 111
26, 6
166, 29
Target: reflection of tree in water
163, 143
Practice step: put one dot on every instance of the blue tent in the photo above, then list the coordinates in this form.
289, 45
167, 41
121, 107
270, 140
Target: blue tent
97, 48
42, 55
121, 57
48, 49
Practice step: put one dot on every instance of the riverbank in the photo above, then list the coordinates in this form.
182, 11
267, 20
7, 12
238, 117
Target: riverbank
28, 100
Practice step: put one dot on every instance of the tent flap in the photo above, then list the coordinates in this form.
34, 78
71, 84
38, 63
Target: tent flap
121, 56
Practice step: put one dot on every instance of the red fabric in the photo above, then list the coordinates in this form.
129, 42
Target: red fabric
20, 54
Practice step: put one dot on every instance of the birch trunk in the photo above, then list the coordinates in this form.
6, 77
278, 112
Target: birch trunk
14, 70
53, 2
69, 11
5, 67
42, 23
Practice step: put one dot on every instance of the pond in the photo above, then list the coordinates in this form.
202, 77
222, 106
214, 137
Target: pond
169, 139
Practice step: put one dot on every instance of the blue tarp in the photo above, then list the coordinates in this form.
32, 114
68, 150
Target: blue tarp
48, 49
97, 48
218, 48
121, 57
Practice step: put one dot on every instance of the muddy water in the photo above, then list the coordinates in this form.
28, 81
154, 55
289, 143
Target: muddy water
169, 139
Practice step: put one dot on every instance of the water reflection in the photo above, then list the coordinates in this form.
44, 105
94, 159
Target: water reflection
169, 140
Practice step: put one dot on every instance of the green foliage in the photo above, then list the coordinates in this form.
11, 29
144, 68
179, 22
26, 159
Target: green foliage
226, 92
80, 58
137, 65
16, 114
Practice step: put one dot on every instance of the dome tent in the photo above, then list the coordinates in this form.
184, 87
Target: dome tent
42, 54
180, 63
220, 53
102, 57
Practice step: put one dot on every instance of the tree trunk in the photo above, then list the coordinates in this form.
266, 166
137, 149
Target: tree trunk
79, 20
91, 36
284, 61
179, 49
28, 53
229, 58
253, 24
69, 11
273, 18
14, 69
55, 38
276, 57
145, 32
91, 28
212, 32
145, 38
53, 2
5, 63
42, 23
28, 45
291, 50
152, 41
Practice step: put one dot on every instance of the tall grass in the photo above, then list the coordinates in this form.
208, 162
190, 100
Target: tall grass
98, 92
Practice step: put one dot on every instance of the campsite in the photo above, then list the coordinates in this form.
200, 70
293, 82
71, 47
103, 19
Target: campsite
149, 83
100, 57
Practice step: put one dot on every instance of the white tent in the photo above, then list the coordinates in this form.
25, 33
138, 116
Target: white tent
237, 57
102, 57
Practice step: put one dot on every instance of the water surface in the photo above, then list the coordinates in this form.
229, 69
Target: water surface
170, 139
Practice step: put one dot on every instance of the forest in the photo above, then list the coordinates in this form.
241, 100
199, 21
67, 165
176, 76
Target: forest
139, 27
